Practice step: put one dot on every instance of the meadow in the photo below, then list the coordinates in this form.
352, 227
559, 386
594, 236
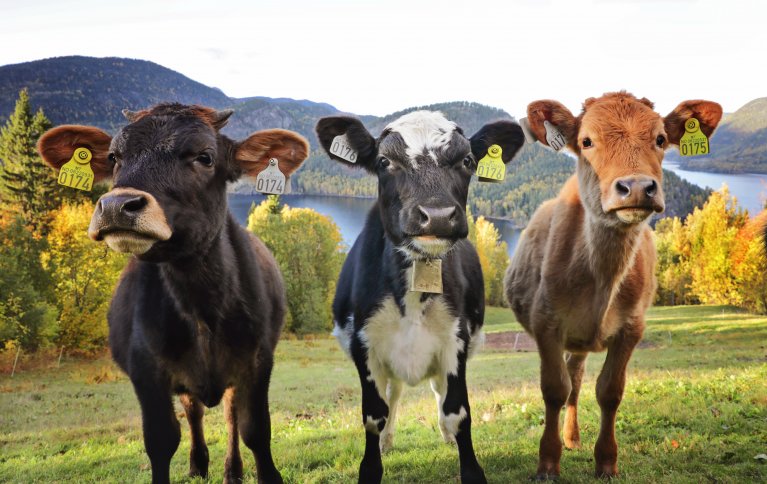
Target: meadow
695, 410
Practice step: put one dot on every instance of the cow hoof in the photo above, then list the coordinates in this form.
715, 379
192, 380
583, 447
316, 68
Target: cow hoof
228, 479
274, 478
474, 476
370, 474
572, 444
543, 476
607, 471
447, 436
386, 443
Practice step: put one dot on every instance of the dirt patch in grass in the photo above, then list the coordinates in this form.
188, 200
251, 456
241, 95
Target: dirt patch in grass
510, 341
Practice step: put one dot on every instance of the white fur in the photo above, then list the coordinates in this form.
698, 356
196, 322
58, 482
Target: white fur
423, 131
371, 424
344, 335
453, 421
413, 347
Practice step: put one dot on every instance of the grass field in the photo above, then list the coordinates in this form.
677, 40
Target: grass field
695, 410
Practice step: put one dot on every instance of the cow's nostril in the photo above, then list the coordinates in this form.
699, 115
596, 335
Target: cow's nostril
423, 215
651, 189
134, 204
623, 188
452, 213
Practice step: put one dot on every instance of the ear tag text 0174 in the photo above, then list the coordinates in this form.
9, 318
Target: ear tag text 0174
693, 141
343, 149
554, 137
271, 180
77, 172
427, 276
491, 167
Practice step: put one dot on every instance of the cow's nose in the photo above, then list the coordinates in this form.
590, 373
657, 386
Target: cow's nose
121, 205
436, 220
638, 186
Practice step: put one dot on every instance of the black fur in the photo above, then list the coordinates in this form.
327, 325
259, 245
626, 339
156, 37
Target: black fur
376, 266
202, 311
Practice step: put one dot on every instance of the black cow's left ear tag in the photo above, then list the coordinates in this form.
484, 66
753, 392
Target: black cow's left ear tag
427, 276
271, 180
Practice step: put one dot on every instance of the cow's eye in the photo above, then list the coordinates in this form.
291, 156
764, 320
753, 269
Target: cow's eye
587, 143
112, 158
382, 162
468, 162
660, 141
204, 159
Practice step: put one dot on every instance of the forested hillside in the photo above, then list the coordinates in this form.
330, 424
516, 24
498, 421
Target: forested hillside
94, 91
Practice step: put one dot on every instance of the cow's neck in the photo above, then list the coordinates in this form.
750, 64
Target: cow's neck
201, 285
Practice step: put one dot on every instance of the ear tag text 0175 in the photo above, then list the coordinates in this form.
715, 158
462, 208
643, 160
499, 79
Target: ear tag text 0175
693, 141
491, 167
427, 276
554, 137
77, 172
343, 149
271, 180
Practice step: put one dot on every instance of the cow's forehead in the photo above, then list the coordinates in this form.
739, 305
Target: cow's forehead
164, 133
422, 135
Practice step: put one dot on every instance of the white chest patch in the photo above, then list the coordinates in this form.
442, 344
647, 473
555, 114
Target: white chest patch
422, 343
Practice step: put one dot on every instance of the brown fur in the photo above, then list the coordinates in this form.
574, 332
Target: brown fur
582, 279
288, 148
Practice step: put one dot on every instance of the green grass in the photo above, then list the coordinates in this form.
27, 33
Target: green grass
695, 410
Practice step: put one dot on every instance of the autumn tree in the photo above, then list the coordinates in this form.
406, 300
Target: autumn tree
308, 249
493, 257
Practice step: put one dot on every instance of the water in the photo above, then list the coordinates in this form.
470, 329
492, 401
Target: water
749, 189
348, 213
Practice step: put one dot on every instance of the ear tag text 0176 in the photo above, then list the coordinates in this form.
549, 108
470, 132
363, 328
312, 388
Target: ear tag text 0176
77, 172
554, 137
491, 167
693, 141
343, 149
427, 276
271, 180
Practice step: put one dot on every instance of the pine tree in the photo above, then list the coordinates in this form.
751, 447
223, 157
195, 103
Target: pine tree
27, 185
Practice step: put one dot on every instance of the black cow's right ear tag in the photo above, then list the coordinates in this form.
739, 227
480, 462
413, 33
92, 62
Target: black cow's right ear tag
343, 149
427, 276
271, 180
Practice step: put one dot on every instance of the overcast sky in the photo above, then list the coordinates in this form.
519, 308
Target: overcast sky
376, 57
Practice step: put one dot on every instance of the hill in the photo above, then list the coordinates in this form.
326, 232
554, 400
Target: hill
94, 91
739, 145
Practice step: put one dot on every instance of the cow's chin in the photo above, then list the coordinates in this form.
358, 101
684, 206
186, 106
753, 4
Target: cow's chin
633, 216
430, 247
129, 242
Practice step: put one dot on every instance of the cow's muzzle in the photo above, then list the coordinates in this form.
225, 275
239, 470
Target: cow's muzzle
634, 199
129, 220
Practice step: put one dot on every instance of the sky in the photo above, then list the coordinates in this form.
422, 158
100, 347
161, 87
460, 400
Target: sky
376, 57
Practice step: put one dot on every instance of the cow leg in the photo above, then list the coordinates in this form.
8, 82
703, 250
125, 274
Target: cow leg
393, 392
610, 385
162, 432
375, 413
233, 462
251, 400
555, 387
198, 455
457, 423
575, 366
439, 387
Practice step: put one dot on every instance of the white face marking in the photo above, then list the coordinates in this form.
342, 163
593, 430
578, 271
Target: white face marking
422, 343
423, 131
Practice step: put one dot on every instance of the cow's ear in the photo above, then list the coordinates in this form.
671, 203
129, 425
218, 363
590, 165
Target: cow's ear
289, 148
57, 146
506, 134
707, 113
552, 113
360, 144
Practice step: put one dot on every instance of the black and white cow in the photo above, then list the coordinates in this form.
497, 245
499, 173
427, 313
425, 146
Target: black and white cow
424, 164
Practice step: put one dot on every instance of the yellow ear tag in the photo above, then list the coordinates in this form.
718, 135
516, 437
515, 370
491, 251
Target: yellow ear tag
491, 168
77, 172
693, 142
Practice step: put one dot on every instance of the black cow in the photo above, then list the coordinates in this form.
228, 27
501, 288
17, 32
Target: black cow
199, 308
424, 164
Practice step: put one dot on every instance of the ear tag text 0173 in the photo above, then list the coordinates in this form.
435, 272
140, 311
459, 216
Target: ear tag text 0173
491, 167
427, 276
77, 172
343, 149
693, 141
271, 180
554, 137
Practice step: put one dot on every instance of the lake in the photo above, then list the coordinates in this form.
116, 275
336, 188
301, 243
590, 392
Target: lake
349, 213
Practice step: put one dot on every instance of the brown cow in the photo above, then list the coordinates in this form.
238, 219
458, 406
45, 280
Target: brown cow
582, 276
